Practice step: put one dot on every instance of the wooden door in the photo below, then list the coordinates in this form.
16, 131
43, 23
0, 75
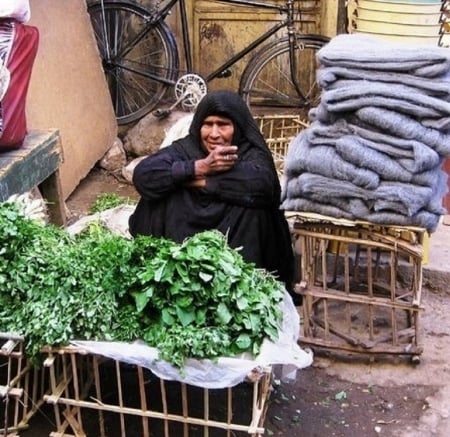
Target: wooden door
220, 30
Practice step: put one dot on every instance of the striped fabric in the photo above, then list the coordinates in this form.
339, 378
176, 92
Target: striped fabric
7, 29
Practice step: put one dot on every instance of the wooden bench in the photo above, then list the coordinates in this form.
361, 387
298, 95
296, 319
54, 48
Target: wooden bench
35, 164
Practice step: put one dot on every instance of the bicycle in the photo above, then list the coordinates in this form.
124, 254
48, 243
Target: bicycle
141, 59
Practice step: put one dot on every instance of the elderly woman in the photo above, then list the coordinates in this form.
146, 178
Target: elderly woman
220, 176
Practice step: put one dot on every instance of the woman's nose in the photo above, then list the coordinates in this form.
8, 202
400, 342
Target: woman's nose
215, 130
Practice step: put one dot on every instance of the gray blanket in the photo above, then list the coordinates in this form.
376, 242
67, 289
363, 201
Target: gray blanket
401, 125
378, 138
331, 77
390, 203
391, 196
412, 155
324, 160
361, 51
354, 94
423, 219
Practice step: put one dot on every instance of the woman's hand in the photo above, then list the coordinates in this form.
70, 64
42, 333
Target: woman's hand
221, 159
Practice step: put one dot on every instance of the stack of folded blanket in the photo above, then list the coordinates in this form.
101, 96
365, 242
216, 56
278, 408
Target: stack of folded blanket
377, 141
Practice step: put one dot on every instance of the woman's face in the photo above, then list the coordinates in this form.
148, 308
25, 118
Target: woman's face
216, 131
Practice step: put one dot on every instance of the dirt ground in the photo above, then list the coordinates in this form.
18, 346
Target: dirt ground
336, 396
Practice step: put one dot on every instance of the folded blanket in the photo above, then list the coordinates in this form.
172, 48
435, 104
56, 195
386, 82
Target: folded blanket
413, 156
354, 150
331, 77
354, 94
361, 51
429, 178
302, 157
440, 189
402, 126
305, 205
398, 197
340, 194
423, 219
389, 196
442, 124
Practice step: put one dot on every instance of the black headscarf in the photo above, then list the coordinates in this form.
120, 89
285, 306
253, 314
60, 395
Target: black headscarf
229, 104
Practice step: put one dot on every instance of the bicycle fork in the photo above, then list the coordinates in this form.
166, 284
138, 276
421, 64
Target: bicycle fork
293, 44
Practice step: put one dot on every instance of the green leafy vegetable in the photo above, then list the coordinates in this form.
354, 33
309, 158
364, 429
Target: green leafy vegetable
198, 299
106, 201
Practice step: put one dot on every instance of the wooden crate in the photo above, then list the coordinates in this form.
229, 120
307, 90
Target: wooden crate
279, 131
361, 284
22, 386
95, 396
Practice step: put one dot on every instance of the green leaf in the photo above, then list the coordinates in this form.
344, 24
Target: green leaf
206, 277
340, 396
167, 317
242, 303
159, 272
142, 299
224, 314
244, 342
184, 301
185, 317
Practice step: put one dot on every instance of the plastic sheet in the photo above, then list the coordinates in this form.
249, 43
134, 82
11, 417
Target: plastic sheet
220, 373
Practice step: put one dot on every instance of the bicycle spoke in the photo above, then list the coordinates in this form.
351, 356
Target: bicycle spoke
140, 59
268, 81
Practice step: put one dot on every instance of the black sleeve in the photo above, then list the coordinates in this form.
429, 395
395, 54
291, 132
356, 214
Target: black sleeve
251, 183
158, 175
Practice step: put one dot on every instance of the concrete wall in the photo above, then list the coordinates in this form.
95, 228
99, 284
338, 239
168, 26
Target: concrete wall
68, 90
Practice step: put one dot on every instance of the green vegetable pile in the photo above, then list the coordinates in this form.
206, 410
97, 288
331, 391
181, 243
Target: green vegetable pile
198, 299
106, 201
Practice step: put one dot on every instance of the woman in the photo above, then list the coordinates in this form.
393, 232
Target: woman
220, 176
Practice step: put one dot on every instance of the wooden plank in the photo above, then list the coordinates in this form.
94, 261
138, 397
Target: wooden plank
23, 169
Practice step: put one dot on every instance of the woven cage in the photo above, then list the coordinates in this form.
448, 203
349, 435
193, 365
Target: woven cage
95, 396
279, 131
22, 386
361, 285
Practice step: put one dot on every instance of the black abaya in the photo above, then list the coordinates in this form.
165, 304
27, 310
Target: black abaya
242, 203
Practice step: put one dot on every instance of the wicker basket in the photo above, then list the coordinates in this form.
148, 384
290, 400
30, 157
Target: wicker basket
279, 131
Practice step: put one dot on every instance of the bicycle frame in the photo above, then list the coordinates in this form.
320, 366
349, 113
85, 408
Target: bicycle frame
286, 9
141, 57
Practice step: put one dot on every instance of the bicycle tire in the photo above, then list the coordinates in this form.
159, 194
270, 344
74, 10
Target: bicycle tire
138, 71
266, 84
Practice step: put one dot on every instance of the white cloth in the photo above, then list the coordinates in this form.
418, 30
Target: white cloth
4, 80
17, 9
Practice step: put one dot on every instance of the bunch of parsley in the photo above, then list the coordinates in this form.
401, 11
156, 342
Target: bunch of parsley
198, 299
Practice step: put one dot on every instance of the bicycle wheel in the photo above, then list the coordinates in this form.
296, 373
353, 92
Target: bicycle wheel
267, 84
140, 61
